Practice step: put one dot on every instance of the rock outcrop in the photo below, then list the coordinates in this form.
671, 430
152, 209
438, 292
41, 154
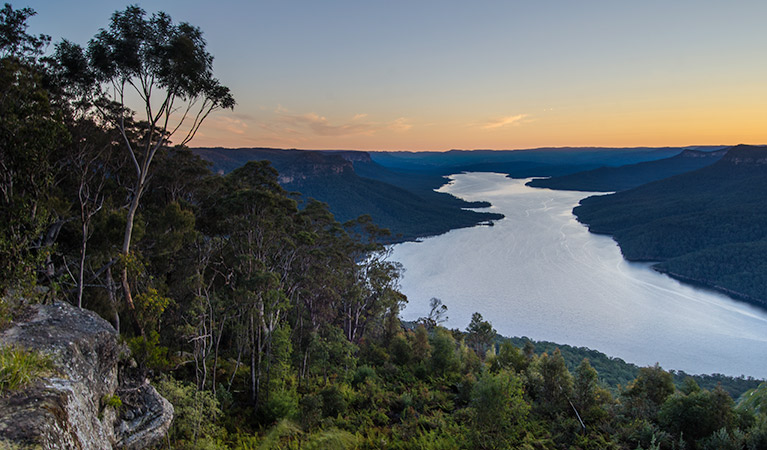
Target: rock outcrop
68, 410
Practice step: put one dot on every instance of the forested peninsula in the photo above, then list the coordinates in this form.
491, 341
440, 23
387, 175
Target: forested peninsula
707, 226
266, 325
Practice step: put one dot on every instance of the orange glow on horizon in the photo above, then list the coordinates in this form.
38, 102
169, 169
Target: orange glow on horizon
625, 129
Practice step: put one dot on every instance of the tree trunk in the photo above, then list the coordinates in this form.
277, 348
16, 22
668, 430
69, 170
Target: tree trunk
81, 275
253, 351
126, 246
113, 298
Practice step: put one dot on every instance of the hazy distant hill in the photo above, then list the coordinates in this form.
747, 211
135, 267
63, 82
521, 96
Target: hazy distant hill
611, 179
520, 163
397, 188
708, 226
405, 204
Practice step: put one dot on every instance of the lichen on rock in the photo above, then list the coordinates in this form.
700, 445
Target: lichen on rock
67, 410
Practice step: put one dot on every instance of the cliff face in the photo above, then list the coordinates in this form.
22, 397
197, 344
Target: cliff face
746, 155
308, 165
67, 411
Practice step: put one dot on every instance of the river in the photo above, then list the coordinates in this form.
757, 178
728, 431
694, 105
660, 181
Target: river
539, 273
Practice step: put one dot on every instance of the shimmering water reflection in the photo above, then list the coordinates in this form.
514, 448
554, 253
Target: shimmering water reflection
539, 273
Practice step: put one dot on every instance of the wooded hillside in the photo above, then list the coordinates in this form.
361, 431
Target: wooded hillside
265, 324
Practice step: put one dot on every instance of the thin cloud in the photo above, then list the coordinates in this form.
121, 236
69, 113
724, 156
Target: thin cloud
321, 126
315, 124
504, 122
400, 125
233, 125
226, 124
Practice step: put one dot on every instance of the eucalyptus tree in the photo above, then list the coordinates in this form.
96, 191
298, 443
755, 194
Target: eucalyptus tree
480, 334
319, 279
372, 296
86, 182
258, 220
167, 70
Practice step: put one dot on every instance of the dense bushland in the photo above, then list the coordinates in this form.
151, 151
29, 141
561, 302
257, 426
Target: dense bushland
266, 325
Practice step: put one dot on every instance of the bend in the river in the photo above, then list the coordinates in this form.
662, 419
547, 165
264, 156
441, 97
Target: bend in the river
539, 273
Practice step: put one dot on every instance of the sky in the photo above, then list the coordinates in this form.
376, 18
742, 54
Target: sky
439, 75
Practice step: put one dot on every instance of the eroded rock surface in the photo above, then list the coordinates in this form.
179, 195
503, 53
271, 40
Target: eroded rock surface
67, 410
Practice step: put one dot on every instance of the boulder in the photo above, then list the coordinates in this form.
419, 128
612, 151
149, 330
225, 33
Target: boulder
68, 410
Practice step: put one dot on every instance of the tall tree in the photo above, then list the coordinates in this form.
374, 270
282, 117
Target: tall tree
481, 333
168, 68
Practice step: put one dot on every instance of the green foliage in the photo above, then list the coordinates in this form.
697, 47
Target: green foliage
400, 350
288, 314
647, 393
754, 400
281, 435
551, 384
154, 49
20, 367
363, 373
334, 439
148, 352
590, 398
30, 131
149, 308
698, 414
480, 333
499, 411
723, 440
281, 404
14, 40
112, 401
444, 357
195, 417
509, 358
421, 346
757, 435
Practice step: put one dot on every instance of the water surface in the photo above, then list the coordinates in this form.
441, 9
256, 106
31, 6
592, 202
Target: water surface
539, 273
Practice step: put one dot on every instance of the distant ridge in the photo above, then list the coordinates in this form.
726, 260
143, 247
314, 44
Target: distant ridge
406, 205
522, 163
707, 226
397, 188
611, 179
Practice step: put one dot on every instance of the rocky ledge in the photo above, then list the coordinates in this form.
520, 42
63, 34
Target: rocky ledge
69, 410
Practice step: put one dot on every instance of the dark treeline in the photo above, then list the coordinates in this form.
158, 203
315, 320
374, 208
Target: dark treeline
266, 325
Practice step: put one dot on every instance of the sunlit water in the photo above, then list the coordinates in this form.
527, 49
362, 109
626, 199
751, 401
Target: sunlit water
539, 273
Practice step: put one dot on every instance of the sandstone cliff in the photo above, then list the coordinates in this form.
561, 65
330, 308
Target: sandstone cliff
68, 410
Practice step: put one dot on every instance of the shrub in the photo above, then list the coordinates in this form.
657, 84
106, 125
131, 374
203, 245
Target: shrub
112, 401
195, 422
148, 352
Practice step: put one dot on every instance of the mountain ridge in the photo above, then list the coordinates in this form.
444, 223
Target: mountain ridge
708, 226
611, 179
407, 206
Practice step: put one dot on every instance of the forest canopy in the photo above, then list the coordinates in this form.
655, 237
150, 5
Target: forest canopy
266, 325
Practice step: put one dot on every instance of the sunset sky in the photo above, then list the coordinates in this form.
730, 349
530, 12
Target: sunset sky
436, 75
